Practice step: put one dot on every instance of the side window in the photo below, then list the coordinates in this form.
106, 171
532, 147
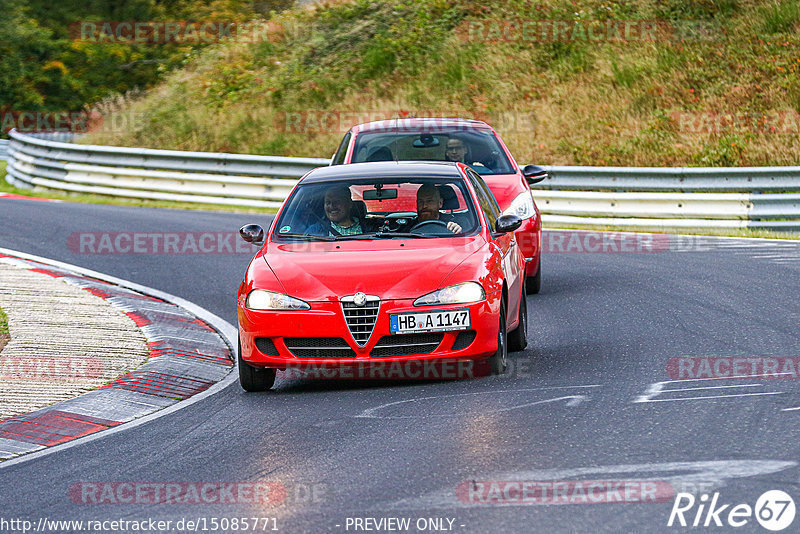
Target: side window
341, 152
489, 195
487, 202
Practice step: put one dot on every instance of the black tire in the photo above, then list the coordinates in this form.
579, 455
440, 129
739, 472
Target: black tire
254, 378
533, 283
518, 338
499, 360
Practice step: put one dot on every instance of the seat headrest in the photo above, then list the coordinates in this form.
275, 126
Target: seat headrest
449, 198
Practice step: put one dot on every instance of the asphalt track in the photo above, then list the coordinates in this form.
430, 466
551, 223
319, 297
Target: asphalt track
581, 403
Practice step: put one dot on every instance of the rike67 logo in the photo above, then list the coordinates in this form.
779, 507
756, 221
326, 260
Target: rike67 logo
774, 510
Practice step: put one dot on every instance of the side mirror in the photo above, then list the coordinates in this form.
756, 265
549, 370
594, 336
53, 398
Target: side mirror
534, 174
507, 223
252, 233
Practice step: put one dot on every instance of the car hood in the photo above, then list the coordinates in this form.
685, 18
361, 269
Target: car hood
391, 269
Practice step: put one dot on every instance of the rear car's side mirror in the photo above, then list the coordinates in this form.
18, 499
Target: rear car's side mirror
534, 174
507, 223
252, 233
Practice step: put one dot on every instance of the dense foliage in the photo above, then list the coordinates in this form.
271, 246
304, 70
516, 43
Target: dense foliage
47, 67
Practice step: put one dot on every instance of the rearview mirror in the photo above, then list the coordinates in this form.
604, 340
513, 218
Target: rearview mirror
380, 194
252, 233
425, 140
534, 174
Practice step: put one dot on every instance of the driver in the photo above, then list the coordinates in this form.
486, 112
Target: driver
457, 150
429, 202
339, 214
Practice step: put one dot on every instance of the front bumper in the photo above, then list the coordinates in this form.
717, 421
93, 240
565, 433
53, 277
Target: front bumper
326, 321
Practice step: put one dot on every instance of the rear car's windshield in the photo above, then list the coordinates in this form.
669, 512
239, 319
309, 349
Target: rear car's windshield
378, 208
478, 148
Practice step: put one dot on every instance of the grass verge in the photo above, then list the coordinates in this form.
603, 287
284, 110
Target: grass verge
733, 232
4, 333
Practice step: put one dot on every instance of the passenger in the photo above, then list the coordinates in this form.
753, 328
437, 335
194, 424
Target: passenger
429, 202
339, 214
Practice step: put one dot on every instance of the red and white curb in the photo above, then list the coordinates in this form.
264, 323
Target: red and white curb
191, 357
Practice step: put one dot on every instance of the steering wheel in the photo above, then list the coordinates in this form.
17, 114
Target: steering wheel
429, 227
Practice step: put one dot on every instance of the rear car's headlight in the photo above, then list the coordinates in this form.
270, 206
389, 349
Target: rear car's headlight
522, 206
457, 294
260, 299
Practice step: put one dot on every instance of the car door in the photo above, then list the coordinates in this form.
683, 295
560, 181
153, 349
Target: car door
505, 243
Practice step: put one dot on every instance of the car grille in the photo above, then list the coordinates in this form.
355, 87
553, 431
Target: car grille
265, 345
361, 319
319, 347
464, 339
406, 344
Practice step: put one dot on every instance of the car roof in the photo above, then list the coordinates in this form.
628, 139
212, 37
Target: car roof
384, 169
428, 124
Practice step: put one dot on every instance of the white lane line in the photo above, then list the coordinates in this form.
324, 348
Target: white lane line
657, 388
714, 387
714, 396
574, 400
228, 332
714, 474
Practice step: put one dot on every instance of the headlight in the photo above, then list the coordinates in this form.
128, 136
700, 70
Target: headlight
522, 206
457, 294
259, 299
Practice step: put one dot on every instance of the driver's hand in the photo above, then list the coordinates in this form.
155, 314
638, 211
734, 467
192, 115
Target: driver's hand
453, 227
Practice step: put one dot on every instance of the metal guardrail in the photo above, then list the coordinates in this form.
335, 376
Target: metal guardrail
682, 197
685, 197
3, 148
201, 177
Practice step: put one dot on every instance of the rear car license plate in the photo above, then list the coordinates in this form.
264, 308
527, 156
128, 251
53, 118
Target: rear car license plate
432, 321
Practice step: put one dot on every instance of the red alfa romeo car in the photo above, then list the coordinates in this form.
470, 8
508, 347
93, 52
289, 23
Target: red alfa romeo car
382, 262
469, 141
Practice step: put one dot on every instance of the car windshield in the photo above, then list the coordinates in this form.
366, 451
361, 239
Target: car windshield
478, 148
378, 208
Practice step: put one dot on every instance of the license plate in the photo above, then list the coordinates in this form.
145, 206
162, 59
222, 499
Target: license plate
433, 321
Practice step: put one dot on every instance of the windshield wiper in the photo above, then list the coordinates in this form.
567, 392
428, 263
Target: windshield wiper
308, 237
391, 235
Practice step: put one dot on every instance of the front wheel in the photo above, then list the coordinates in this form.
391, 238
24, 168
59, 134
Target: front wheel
253, 378
518, 338
499, 360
